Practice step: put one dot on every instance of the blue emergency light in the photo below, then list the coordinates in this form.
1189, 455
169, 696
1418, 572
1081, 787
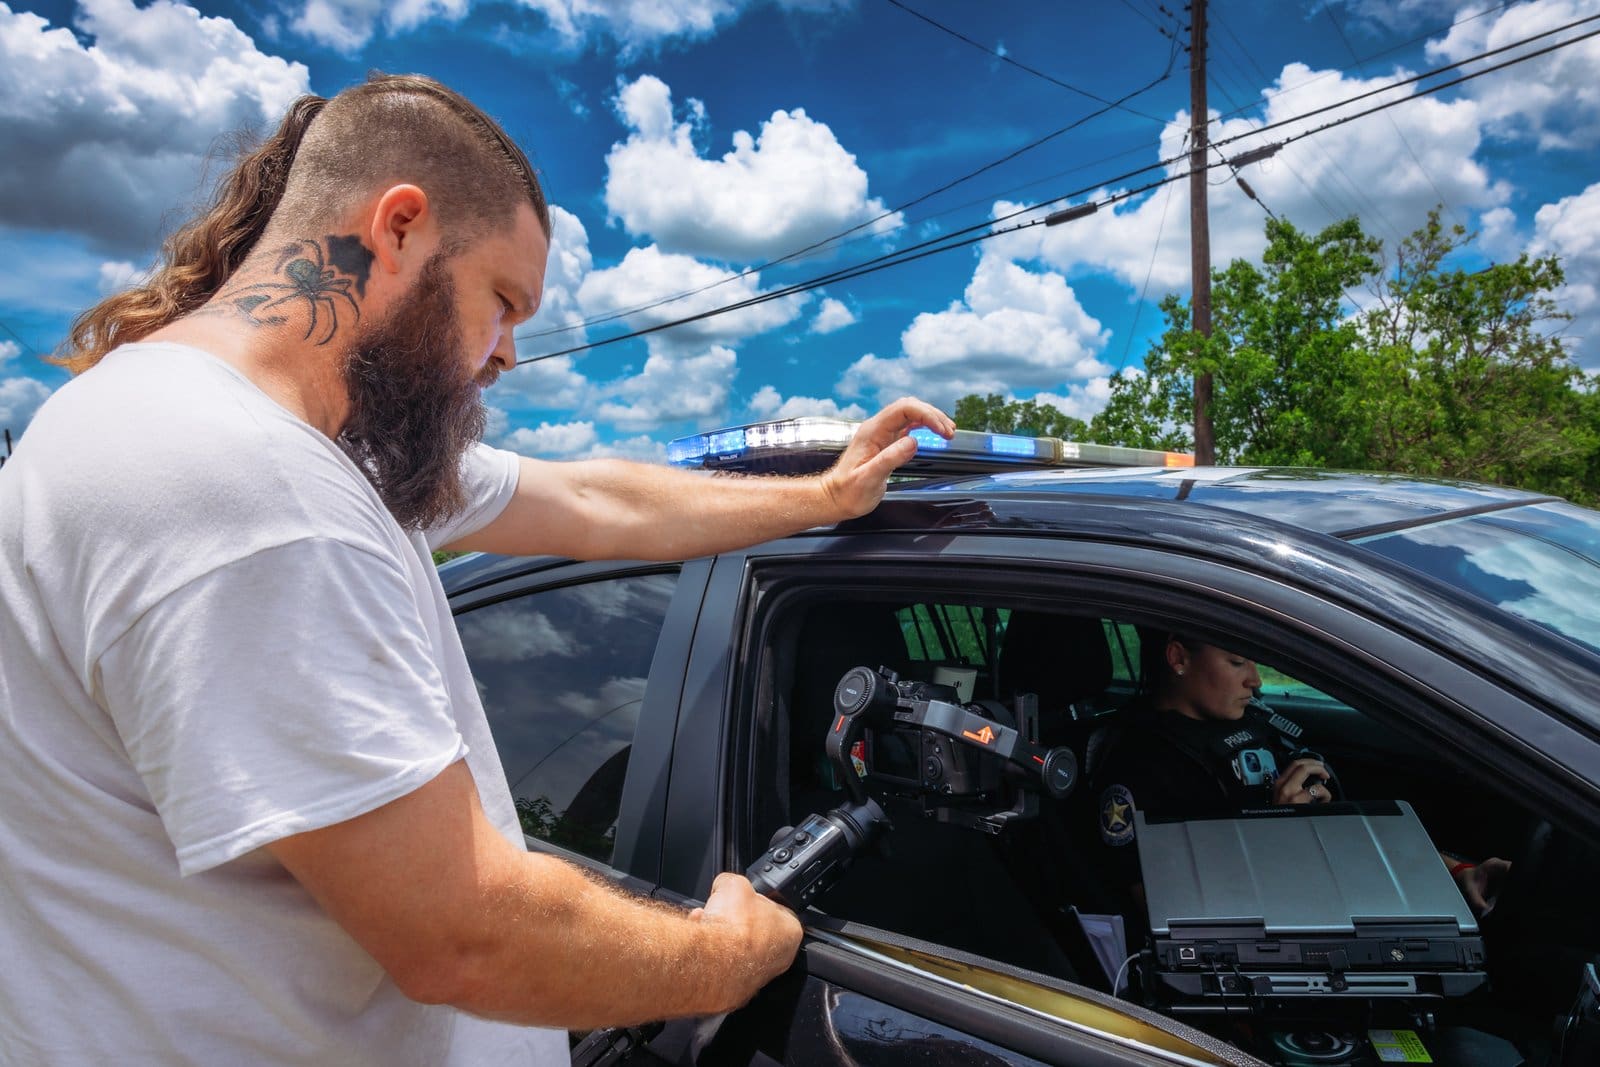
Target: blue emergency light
806, 445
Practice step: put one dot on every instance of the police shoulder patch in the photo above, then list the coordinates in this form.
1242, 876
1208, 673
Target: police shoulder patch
1116, 815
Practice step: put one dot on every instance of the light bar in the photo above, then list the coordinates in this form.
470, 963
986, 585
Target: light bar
805, 445
725, 449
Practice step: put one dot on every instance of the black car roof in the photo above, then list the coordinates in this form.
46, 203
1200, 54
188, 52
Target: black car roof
1279, 522
1345, 504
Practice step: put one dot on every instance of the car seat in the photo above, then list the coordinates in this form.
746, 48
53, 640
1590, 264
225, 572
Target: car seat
832, 638
1066, 661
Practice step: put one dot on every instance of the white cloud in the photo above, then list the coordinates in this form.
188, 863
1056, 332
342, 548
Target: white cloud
1015, 329
790, 185
572, 96
689, 369
1570, 228
1553, 100
517, 637
1386, 16
1498, 233
19, 400
552, 439
674, 385
9, 350
643, 448
768, 403
634, 23
1356, 168
647, 275
833, 315
572, 440
117, 275
103, 137
569, 264
347, 25
614, 693
1084, 400
640, 24
553, 384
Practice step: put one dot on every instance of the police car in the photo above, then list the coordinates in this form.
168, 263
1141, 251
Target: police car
1438, 643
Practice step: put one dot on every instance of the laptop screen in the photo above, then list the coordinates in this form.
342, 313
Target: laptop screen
1296, 871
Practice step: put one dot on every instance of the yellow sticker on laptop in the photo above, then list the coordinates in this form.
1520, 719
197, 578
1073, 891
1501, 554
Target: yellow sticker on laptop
1398, 1046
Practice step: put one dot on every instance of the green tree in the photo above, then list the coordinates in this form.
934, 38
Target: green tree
539, 819
995, 414
1447, 372
1283, 353
1467, 379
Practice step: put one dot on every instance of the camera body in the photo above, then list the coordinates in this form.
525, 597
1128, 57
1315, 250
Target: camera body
909, 759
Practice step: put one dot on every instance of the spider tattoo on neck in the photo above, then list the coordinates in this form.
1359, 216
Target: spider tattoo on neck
324, 289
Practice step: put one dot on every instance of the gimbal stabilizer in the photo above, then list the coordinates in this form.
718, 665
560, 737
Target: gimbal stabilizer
803, 861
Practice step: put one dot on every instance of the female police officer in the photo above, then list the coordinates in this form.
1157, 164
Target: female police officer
1196, 742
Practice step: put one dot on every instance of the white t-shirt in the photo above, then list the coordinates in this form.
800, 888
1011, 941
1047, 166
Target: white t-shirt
214, 635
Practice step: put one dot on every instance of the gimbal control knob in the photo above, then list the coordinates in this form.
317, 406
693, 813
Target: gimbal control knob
1060, 771
858, 690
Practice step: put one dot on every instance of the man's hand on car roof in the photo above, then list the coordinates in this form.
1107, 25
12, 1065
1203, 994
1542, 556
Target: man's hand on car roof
881, 444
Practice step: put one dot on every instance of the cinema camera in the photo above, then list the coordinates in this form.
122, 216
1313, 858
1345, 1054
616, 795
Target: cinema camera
977, 765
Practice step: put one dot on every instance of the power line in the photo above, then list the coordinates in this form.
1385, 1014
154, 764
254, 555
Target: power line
1153, 23
1226, 59
802, 253
936, 24
1138, 309
1362, 204
26, 347
1297, 86
945, 244
816, 245
1413, 79
1412, 152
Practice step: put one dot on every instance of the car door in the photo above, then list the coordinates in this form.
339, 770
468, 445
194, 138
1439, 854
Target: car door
859, 994
579, 667
865, 994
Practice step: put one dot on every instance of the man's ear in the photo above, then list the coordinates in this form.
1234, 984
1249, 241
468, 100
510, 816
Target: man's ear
401, 226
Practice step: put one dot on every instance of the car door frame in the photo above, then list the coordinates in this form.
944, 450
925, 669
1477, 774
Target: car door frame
1461, 703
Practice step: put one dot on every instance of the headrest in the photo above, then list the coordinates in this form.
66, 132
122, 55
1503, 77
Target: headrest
1062, 658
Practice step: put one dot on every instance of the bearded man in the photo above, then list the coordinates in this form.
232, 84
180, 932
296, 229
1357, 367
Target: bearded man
253, 812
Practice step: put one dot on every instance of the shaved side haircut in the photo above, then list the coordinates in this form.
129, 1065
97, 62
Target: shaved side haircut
322, 160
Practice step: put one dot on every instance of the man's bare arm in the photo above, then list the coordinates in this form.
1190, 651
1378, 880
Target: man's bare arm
458, 915
614, 509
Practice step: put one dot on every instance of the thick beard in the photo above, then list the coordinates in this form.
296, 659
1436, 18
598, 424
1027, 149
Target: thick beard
415, 408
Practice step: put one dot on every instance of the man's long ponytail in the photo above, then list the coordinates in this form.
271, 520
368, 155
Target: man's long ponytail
197, 259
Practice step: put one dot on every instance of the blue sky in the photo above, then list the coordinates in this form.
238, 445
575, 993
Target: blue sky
686, 141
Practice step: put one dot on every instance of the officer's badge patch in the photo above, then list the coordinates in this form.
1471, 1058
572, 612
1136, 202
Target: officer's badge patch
1116, 815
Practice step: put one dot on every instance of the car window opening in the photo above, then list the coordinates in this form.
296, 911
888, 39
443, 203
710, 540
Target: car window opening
1028, 890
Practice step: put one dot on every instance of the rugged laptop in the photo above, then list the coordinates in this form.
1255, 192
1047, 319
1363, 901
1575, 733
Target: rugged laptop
1324, 901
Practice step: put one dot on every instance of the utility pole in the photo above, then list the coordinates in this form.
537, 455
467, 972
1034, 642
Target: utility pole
1205, 448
